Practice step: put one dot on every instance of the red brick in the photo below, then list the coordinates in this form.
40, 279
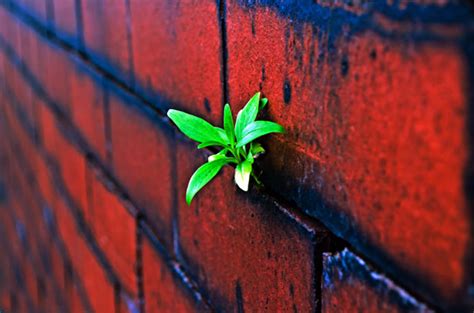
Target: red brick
176, 59
57, 264
65, 19
55, 76
44, 180
114, 230
163, 290
87, 108
245, 246
349, 284
105, 35
375, 144
98, 288
37, 9
72, 165
143, 160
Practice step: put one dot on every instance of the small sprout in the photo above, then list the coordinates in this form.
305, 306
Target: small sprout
235, 141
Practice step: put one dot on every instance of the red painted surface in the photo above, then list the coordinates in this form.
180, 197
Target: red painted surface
99, 289
65, 18
145, 170
87, 109
115, 231
349, 284
376, 102
105, 34
177, 59
383, 144
259, 239
162, 289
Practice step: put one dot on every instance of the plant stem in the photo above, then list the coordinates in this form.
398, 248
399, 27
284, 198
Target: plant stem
256, 179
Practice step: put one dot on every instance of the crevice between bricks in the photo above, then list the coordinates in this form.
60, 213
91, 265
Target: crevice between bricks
139, 263
222, 15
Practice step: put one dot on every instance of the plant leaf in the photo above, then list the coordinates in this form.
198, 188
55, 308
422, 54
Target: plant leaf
247, 115
194, 127
209, 144
202, 176
256, 149
229, 124
242, 175
220, 155
263, 103
258, 129
222, 135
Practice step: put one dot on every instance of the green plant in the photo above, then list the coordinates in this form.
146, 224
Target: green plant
237, 142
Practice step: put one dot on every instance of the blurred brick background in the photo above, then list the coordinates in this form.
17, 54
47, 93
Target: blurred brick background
368, 204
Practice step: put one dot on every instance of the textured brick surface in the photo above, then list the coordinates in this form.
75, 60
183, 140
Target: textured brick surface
65, 19
106, 36
177, 61
145, 171
98, 288
349, 284
88, 110
267, 263
376, 127
376, 99
114, 229
164, 292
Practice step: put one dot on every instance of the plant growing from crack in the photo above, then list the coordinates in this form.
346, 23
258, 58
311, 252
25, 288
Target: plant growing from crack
235, 141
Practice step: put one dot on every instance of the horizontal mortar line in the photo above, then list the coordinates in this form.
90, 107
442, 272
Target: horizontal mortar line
187, 281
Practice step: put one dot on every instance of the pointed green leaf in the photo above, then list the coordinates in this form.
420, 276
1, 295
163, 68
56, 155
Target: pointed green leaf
247, 115
229, 124
256, 149
210, 144
220, 155
194, 127
263, 103
222, 135
242, 175
258, 129
202, 176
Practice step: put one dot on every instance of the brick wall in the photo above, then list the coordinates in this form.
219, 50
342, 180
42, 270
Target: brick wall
368, 204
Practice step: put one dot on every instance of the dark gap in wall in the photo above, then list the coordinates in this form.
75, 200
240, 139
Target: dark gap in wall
50, 12
174, 198
117, 300
223, 32
79, 23
131, 64
139, 263
318, 275
468, 45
